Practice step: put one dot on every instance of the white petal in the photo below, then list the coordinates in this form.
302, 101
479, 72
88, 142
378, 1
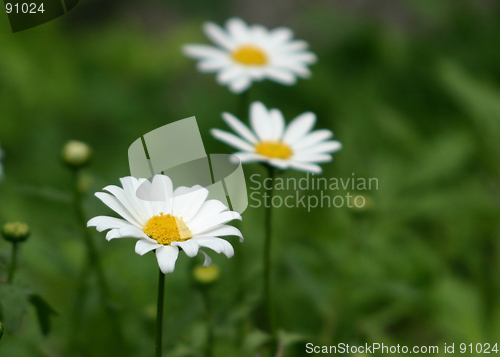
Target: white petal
131, 184
255, 73
239, 127
312, 158
102, 223
260, 120
134, 232
246, 157
296, 67
167, 256
321, 148
218, 35
210, 242
296, 45
190, 247
207, 261
202, 226
229, 74
232, 140
188, 202
306, 57
279, 163
143, 246
127, 201
240, 84
299, 127
278, 123
113, 203
312, 139
281, 75
280, 35
238, 29
114, 233
259, 33
209, 209
302, 166
212, 66
300, 71
224, 230
204, 52
217, 245
161, 193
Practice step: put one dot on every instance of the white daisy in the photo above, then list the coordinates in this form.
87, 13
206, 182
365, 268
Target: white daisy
295, 146
171, 220
251, 53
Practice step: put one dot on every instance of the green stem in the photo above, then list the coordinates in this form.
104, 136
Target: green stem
93, 255
269, 321
159, 314
243, 104
94, 262
208, 316
13, 263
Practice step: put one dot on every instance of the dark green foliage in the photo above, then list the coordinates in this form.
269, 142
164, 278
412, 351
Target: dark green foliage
43, 312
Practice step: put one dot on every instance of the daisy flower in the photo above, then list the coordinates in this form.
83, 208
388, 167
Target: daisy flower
269, 141
245, 54
171, 220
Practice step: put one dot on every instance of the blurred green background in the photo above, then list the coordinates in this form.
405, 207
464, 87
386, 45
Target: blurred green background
411, 89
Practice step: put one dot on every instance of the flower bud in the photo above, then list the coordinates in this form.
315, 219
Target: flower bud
1, 330
76, 154
15, 232
206, 276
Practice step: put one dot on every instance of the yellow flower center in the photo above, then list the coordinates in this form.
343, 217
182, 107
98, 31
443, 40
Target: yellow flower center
274, 149
249, 55
166, 229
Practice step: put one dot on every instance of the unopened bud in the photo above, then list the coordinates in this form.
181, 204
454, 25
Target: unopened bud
15, 232
206, 276
76, 153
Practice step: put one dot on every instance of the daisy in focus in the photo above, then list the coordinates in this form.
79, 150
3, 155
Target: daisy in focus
245, 54
170, 221
271, 142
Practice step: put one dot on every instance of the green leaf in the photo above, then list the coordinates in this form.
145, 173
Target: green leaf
14, 305
255, 339
43, 312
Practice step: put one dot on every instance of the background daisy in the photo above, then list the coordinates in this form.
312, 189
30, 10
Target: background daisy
245, 54
270, 141
172, 220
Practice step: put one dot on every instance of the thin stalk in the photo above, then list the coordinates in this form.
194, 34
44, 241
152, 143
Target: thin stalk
269, 320
13, 263
93, 262
243, 104
93, 255
242, 110
208, 316
159, 314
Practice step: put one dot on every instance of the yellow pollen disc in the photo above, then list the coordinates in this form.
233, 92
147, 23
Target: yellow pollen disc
166, 229
274, 149
249, 55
